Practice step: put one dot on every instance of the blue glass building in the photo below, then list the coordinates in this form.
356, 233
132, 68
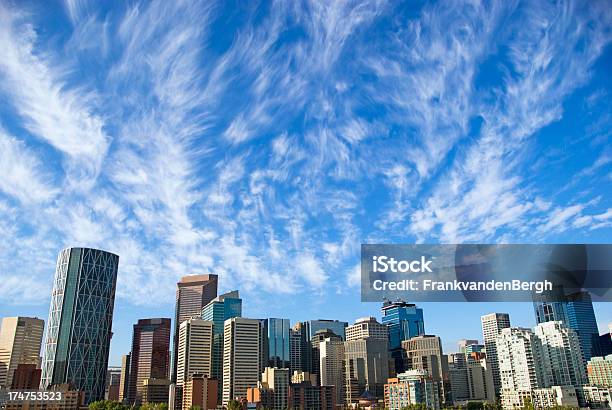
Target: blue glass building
576, 312
404, 321
223, 307
80, 320
278, 343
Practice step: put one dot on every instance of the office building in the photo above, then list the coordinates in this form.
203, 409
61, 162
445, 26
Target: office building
574, 311
26, 377
366, 360
278, 343
149, 360
480, 378
492, 324
562, 362
596, 397
413, 387
599, 371
78, 333
241, 357
154, 390
124, 380
277, 380
315, 353
200, 391
299, 376
217, 311
306, 395
193, 292
295, 348
425, 353
332, 365
458, 377
20, 341
113, 382
404, 321
194, 349
519, 353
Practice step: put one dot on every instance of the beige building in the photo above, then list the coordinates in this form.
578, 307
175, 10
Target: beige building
425, 353
20, 341
600, 371
367, 327
331, 357
277, 380
555, 396
194, 349
241, 357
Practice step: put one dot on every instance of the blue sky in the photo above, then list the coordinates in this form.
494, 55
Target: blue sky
265, 142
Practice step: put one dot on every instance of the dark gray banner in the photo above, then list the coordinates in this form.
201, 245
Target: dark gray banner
485, 273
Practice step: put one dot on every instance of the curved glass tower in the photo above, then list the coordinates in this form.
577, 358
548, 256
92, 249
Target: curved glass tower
80, 320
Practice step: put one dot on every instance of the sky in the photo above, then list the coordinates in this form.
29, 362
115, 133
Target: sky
265, 141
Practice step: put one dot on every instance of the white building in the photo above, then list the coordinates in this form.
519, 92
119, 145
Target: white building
492, 324
519, 354
562, 363
241, 357
367, 327
555, 396
194, 349
331, 356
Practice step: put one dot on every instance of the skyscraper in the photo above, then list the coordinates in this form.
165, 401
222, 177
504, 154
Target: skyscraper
331, 353
217, 311
150, 357
519, 353
193, 292
492, 324
562, 362
404, 320
576, 312
78, 333
241, 357
278, 343
124, 381
425, 353
20, 340
366, 359
194, 349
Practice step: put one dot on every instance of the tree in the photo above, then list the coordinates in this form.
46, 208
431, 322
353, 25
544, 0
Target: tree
234, 405
195, 408
107, 405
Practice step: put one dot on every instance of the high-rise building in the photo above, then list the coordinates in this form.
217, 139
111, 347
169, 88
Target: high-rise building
314, 350
150, 359
194, 349
413, 387
277, 380
332, 366
425, 353
217, 311
124, 381
336, 326
562, 362
26, 377
519, 354
465, 344
458, 377
404, 321
295, 348
20, 340
200, 391
278, 343
576, 312
366, 360
113, 381
78, 333
193, 292
600, 371
492, 324
241, 357
480, 378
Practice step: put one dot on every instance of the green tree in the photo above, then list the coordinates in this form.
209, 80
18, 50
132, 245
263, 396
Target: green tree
234, 405
107, 405
195, 408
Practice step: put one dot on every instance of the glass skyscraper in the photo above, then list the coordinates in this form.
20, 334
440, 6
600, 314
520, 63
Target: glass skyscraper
226, 306
278, 343
576, 312
404, 321
80, 320
336, 326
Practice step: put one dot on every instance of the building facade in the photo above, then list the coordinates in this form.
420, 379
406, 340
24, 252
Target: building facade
241, 357
193, 292
404, 321
150, 359
413, 387
20, 341
78, 334
278, 343
425, 353
332, 366
194, 349
600, 371
492, 325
